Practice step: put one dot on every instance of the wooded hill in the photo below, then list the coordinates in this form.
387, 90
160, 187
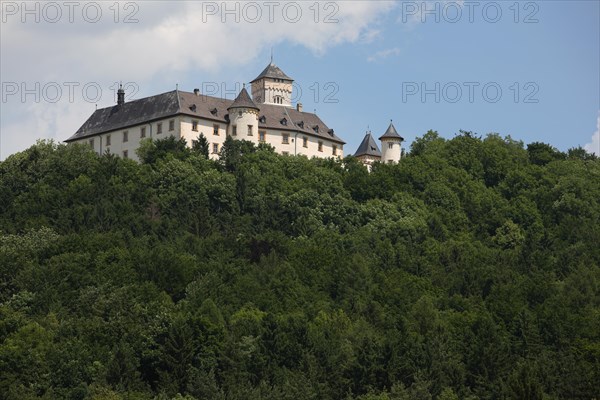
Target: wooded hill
470, 270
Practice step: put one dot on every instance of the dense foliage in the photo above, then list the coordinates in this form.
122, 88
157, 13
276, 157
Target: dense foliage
471, 270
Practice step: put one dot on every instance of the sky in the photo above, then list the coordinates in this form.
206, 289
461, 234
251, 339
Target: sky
528, 69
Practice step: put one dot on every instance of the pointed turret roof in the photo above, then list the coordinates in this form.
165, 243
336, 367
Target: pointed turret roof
368, 147
391, 133
243, 100
272, 71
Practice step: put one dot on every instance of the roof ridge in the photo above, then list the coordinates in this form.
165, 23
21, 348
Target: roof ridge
177, 96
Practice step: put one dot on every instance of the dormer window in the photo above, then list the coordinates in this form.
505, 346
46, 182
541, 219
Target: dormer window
316, 128
193, 108
262, 119
301, 124
213, 111
283, 122
330, 132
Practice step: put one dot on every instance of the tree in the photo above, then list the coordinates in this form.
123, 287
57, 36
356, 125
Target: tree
200, 146
542, 153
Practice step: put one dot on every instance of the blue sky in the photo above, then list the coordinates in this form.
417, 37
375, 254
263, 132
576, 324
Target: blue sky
366, 67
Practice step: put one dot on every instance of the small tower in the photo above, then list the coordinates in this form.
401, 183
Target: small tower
391, 145
368, 151
272, 86
120, 95
243, 117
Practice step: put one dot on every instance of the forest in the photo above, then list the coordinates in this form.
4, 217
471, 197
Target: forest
470, 270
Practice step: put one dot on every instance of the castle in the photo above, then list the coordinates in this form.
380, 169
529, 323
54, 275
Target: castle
391, 143
266, 117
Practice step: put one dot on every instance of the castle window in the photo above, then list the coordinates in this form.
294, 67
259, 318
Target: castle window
108, 140
143, 132
125, 136
320, 145
215, 148
216, 130
92, 143
261, 136
234, 130
250, 132
195, 126
304, 141
285, 138
239, 113
125, 154
334, 150
159, 128
171, 125
390, 145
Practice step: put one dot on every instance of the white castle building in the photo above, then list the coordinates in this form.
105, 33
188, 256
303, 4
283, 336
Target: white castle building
267, 117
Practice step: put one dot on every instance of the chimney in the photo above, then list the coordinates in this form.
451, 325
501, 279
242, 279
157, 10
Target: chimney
197, 92
299, 107
120, 95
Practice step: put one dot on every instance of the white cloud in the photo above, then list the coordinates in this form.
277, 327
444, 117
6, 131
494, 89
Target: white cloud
383, 54
594, 145
169, 39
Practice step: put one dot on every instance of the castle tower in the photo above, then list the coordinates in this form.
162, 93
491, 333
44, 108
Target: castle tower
272, 86
391, 145
368, 151
243, 117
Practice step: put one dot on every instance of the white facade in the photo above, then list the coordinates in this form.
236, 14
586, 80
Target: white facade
298, 143
215, 133
189, 128
391, 150
125, 142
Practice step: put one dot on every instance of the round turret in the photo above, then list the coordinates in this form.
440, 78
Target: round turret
243, 118
391, 145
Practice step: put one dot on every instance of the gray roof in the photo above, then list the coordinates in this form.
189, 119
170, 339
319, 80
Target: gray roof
210, 108
368, 147
127, 114
243, 100
272, 71
391, 132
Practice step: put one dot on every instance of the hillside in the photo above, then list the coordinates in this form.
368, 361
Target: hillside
470, 270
